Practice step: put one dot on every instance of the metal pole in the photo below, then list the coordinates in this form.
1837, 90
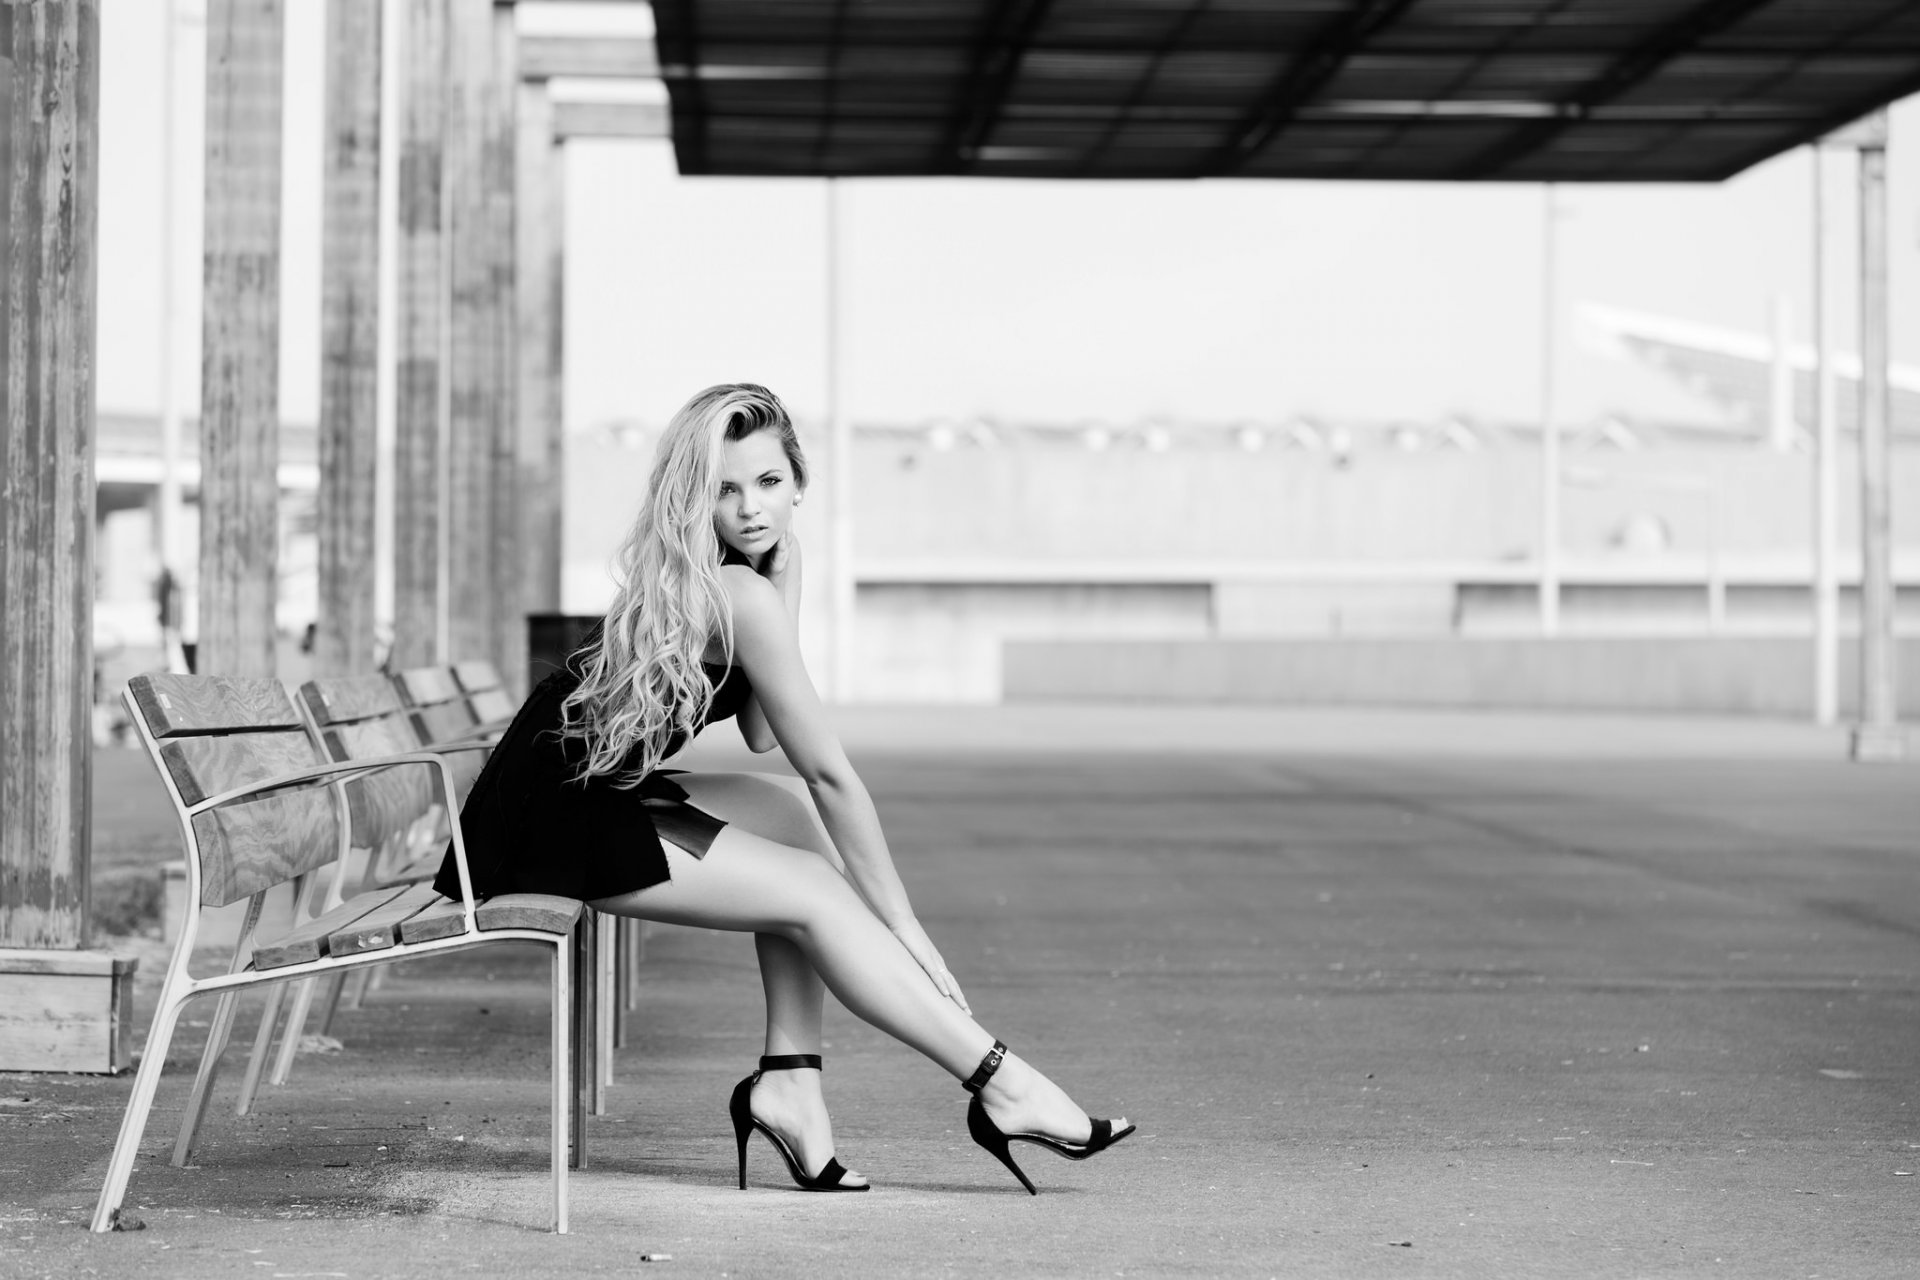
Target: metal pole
1878, 736
1549, 432
1780, 380
840, 459
1826, 584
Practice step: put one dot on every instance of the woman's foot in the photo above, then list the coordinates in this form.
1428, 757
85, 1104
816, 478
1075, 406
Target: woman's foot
1019, 1099
790, 1102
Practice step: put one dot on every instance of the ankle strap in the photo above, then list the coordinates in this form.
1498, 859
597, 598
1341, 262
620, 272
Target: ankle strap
988, 1065
789, 1061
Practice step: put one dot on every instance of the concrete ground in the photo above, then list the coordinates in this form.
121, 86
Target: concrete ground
1389, 995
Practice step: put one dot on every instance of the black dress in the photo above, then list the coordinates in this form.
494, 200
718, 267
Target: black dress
531, 826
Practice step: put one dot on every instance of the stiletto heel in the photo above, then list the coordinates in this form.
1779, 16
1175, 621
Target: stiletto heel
983, 1130
740, 1108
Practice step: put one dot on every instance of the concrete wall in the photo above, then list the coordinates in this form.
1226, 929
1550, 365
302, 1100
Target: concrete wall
1714, 675
922, 643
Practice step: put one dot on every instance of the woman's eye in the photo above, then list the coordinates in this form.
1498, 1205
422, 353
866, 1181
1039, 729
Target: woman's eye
769, 482
725, 489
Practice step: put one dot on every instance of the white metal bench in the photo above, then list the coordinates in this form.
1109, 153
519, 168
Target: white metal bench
259, 807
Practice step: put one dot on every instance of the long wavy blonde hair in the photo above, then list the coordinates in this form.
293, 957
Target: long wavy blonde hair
642, 683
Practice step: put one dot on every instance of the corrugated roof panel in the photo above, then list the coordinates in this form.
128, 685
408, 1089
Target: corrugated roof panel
1563, 90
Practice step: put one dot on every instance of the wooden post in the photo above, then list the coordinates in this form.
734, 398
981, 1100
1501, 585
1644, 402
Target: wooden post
1878, 736
349, 338
6, 176
60, 1009
508, 611
419, 382
240, 355
537, 300
47, 516
471, 349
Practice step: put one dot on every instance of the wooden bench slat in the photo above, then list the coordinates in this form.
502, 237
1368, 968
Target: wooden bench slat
444, 722
308, 941
175, 705
257, 843
206, 766
442, 919
379, 929
423, 686
424, 867
252, 845
477, 676
492, 705
339, 698
383, 805
541, 911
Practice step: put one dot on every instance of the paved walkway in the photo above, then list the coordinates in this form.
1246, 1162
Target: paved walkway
1391, 995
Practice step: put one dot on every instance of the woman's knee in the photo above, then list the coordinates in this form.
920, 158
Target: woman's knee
823, 902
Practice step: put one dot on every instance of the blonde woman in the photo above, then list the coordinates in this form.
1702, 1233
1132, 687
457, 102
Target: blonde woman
574, 801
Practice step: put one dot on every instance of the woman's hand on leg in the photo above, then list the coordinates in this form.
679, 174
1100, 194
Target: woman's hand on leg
921, 948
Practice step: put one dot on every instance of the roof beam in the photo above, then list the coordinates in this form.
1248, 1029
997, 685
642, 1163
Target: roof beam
618, 57
611, 120
677, 36
1633, 68
997, 53
1308, 73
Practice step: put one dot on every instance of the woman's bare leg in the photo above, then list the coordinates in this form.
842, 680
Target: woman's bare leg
792, 1101
752, 884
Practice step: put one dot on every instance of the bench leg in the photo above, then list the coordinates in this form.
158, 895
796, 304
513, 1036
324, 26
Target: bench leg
336, 984
153, 1060
605, 935
580, 1067
296, 1025
262, 1042
564, 1113
623, 947
217, 1036
635, 932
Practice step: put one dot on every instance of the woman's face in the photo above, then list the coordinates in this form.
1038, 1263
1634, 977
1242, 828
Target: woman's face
757, 493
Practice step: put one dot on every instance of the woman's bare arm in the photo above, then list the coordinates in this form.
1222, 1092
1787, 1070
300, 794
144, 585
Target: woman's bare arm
783, 571
766, 645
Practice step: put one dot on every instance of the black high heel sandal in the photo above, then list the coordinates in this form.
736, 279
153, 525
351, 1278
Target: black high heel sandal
740, 1107
989, 1135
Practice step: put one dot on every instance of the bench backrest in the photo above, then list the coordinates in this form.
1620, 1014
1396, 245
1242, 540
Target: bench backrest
438, 706
214, 733
359, 717
486, 692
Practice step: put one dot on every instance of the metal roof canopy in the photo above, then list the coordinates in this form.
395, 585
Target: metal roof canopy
1449, 90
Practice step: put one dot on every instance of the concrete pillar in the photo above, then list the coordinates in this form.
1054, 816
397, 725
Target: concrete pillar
419, 574
1878, 735
61, 1008
507, 612
538, 213
349, 338
472, 383
1826, 446
240, 345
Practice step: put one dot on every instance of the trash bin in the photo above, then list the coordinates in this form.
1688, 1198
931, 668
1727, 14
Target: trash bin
551, 637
